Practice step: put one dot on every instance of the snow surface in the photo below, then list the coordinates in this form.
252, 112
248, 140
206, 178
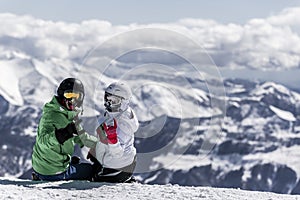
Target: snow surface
182, 162
26, 189
11, 72
286, 115
284, 155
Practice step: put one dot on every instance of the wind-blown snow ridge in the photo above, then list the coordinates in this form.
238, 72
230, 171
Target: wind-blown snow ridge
283, 114
24, 189
11, 73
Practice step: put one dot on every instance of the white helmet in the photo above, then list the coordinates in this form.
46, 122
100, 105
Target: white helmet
117, 97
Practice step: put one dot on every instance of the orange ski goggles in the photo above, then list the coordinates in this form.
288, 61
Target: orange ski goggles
73, 95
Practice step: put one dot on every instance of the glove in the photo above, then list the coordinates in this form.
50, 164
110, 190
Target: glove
111, 133
78, 125
66, 133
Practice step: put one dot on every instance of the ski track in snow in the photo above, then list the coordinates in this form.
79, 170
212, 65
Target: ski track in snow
26, 189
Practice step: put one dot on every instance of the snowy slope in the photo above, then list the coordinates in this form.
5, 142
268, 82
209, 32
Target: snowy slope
22, 189
257, 150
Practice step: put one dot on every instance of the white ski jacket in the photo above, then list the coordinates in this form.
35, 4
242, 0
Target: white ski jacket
122, 153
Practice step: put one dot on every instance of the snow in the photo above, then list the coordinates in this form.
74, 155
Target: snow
237, 89
284, 155
182, 162
255, 120
26, 189
285, 115
269, 87
9, 82
169, 99
4, 147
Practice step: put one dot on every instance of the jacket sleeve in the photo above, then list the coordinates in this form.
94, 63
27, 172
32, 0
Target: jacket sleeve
46, 136
86, 139
46, 129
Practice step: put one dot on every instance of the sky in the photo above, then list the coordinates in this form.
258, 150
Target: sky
144, 12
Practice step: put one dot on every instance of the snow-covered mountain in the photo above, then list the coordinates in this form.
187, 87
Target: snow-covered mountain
25, 189
186, 136
256, 149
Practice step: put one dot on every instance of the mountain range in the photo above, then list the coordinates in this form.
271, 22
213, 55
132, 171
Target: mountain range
255, 148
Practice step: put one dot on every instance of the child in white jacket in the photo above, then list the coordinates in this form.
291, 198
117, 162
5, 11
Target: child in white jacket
115, 152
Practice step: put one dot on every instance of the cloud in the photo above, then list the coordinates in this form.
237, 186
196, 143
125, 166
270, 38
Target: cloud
271, 43
288, 17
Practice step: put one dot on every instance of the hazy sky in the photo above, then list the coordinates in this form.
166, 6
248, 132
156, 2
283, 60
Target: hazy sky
137, 11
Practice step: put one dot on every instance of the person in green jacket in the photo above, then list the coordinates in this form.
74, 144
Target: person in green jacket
58, 131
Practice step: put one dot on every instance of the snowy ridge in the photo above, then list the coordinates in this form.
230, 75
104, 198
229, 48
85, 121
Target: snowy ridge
16, 189
259, 136
9, 81
288, 116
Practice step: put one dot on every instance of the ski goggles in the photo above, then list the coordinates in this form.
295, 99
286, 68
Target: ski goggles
112, 99
73, 95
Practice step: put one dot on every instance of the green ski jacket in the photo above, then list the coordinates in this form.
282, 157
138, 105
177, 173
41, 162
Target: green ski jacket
49, 157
